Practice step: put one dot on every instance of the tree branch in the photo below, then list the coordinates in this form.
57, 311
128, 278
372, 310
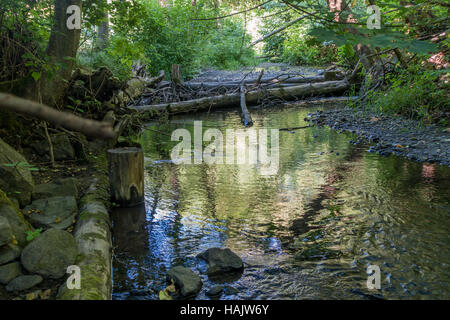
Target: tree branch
64, 119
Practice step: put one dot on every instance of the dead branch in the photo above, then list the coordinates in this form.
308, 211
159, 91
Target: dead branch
64, 119
247, 119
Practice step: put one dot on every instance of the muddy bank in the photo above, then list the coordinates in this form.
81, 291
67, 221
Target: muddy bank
390, 134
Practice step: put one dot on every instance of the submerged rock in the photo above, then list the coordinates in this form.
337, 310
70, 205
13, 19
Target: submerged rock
214, 291
24, 283
186, 280
55, 212
50, 254
58, 188
231, 290
221, 260
15, 176
9, 271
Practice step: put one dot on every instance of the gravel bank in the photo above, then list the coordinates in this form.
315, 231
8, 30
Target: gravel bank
390, 134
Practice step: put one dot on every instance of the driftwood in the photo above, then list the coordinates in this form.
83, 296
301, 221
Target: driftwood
286, 81
247, 119
66, 120
135, 87
154, 81
234, 99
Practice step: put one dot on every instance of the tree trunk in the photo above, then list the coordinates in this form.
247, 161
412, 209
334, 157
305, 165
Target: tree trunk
62, 49
103, 32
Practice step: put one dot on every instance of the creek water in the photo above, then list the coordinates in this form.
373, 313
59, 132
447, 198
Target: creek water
309, 231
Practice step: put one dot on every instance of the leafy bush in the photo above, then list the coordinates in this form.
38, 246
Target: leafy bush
414, 92
118, 56
301, 49
226, 48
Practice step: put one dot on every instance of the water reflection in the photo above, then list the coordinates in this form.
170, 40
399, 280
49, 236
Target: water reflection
308, 232
130, 230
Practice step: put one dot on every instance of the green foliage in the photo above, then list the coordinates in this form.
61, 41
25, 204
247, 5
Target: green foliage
171, 35
413, 92
301, 49
31, 235
226, 48
117, 57
383, 38
20, 165
161, 36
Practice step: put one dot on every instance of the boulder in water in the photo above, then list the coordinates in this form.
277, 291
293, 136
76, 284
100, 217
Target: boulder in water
221, 260
186, 281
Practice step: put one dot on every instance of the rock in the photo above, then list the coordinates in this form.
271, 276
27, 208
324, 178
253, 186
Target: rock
221, 260
15, 179
9, 271
231, 290
214, 291
8, 253
54, 212
50, 254
186, 280
6, 235
19, 225
58, 188
24, 283
62, 148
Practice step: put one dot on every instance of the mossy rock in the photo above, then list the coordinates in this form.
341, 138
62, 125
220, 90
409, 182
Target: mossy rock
18, 224
14, 177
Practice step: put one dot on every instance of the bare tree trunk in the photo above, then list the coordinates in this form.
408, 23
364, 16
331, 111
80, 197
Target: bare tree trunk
62, 49
103, 32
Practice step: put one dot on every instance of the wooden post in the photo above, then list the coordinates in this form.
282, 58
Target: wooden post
176, 74
126, 176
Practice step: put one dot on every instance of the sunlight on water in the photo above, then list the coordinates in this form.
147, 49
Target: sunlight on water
308, 232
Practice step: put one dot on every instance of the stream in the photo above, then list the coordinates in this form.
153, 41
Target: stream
309, 231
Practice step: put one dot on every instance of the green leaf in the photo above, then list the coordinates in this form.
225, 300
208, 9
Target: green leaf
163, 295
36, 75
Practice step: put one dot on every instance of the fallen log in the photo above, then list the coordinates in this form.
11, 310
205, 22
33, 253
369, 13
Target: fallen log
247, 119
234, 99
66, 120
232, 84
